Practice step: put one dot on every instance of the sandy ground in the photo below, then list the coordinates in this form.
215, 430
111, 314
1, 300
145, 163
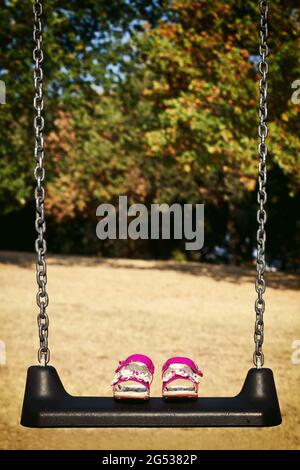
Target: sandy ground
103, 310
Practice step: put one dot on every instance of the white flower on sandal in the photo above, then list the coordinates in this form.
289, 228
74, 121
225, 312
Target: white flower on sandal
180, 372
127, 374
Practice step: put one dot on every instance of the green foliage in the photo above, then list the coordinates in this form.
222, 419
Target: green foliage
204, 89
85, 43
157, 100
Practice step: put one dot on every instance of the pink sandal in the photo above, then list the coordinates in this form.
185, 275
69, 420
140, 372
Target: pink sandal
181, 377
133, 378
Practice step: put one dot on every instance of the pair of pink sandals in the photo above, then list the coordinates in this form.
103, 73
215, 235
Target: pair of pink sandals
134, 375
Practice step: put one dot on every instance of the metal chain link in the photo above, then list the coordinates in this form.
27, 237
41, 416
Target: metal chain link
39, 173
260, 285
39, 194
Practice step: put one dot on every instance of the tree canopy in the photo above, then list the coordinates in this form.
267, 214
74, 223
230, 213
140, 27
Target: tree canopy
157, 100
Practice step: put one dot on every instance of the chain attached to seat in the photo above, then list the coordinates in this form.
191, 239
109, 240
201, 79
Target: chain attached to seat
260, 285
39, 173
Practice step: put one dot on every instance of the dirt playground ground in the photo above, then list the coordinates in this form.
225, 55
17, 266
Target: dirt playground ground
102, 310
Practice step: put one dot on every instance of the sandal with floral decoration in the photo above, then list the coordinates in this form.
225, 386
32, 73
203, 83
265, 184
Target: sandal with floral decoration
181, 377
133, 378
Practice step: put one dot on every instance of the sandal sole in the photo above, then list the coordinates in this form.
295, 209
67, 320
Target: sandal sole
131, 396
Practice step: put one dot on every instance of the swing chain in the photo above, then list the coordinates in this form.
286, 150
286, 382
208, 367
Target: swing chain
260, 285
39, 174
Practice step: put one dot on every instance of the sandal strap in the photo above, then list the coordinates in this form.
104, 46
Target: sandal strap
127, 374
124, 373
137, 358
132, 379
184, 361
177, 374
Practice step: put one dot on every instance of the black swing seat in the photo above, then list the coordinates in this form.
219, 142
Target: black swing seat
48, 405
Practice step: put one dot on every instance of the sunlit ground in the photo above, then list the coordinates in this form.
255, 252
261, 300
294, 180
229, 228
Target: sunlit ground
102, 310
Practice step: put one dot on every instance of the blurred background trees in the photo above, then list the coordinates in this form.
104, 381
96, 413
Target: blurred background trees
156, 100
